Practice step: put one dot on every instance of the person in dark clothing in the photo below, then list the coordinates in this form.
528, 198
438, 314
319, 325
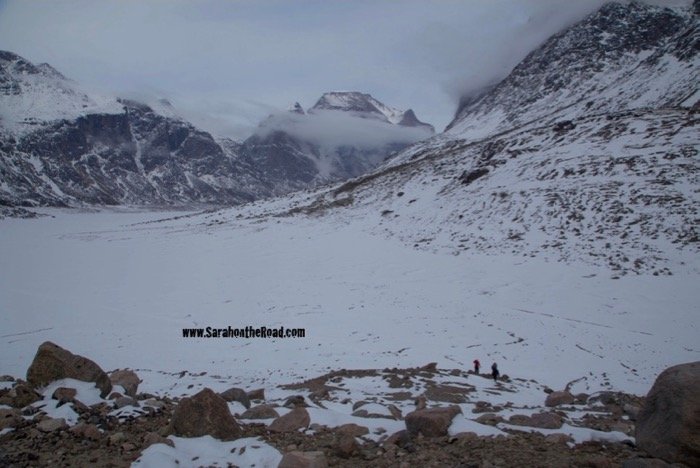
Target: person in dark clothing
477, 366
494, 372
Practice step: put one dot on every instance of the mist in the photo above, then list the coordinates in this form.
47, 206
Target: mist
331, 129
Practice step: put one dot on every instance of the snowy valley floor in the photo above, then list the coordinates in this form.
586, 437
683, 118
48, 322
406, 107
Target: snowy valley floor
119, 287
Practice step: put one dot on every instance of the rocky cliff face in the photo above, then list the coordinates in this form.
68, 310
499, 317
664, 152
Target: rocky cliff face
344, 135
60, 146
625, 56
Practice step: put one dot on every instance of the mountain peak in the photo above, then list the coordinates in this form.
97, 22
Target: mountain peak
365, 106
296, 109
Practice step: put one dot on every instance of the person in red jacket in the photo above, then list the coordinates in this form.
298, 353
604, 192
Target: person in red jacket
477, 366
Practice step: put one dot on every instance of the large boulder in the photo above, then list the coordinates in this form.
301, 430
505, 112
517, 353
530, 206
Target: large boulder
668, 426
303, 460
236, 394
205, 413
296, 419
127, 379
260, 412
431, 422
54, 363
559, 398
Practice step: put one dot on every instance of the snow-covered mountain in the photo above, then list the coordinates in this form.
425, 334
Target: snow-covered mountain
625, 56
345, 134
63, 146
587, 152
365, 106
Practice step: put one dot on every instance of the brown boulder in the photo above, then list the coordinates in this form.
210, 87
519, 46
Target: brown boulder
296, 419
257, 394
546, 420
51, 425
205, 413
303, 460
20, 396
431, 422
559, 398
153, 438
87, 431
9, 417
352, 429
64, 394
52, 362
127, 379
260, 412
236, 394
346, 446
668, 426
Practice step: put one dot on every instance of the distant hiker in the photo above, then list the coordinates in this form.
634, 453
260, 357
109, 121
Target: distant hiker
477, 366
494, 372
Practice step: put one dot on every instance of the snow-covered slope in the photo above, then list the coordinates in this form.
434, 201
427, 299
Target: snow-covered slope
533, 168
624, 56
34, 94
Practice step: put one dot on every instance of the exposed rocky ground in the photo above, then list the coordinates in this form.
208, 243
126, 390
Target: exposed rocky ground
423, 416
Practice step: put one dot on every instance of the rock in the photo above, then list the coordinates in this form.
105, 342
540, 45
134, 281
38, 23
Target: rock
87, 431
558, 438
294, 401
399, 438
431, 422
153, 438
361, 413
52, 362
490, 419
296, 419
645, 463
430, 367
20, 396
52, 425
303, 460
116, 438
121, 402
236, 394
64, 394
260, 412
540, 420
358, 404
668, 426
127, 379
257, 394
352, 429
559, 398
346, 446
9, 417
205, 413
128, 447
421, 403
546, 420
631, 410
6, 378
114, 396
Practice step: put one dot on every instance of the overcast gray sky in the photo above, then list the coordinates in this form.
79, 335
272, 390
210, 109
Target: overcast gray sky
227, 64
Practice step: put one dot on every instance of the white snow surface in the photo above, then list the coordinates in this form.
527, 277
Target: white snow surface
119, 287
208, 451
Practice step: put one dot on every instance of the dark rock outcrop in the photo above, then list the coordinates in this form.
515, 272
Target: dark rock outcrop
52, 362
205, 413
668, 426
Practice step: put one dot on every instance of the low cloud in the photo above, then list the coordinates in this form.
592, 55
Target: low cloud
330, 129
